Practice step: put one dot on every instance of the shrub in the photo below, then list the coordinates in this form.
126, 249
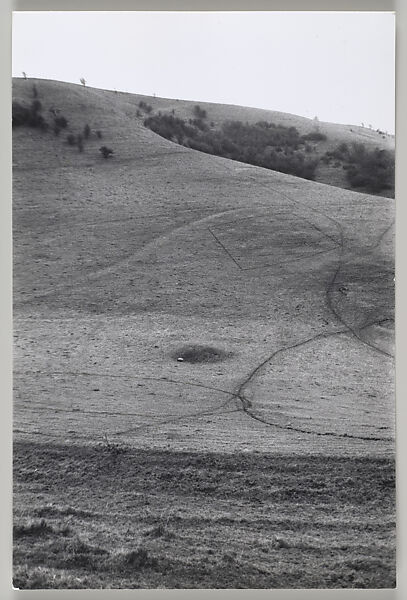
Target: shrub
263, 144
146, 107
200, 124
372, 170
61, 122
199, 112
369, 169
31, 117
99, 134
71, 139
20, 114
86, 131
83, 81
106, 152
314, 136
36, 106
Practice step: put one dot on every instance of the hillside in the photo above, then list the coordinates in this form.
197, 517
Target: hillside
277, 423
330, 168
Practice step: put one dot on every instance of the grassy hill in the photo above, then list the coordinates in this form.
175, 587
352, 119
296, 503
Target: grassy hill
330, 169
203, 363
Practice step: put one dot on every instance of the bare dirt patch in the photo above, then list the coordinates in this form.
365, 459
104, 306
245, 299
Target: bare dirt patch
196, 353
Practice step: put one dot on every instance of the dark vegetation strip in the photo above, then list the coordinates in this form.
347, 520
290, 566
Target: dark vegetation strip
278, 148
170, 467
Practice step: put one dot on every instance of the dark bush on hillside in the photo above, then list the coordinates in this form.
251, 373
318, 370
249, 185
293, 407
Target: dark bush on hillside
20, 114
199, 123
372, 170
341, 152
99, 135
146, 107
263, 144
61, 122
170, 127
36, 106
106, 152
199, 112
314, 136
261, 134
30, 117
71, 139
86, 131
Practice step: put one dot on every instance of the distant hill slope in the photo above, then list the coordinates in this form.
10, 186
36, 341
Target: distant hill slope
120, 115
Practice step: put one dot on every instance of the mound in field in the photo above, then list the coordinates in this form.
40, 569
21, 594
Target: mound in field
195, 353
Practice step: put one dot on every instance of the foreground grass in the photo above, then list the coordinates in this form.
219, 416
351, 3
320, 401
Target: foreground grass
92, 517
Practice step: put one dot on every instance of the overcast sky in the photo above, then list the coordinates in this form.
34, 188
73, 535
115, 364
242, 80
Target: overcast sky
337, 66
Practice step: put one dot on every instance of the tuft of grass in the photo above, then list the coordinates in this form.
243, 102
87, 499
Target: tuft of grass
80, 554
35, 528
43, 578
38, 528
138, 559
51, 510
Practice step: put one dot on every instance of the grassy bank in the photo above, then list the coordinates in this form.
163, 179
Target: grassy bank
110, 516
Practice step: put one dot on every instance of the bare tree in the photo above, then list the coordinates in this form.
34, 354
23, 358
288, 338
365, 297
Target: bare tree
83, 81
24, 75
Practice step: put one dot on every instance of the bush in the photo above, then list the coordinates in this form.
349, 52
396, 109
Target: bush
263, 144
106, 152
86, 131
30, 117
99, 134
71, 139
36, 106
61, 122
146, 107
372, 170
199, 123
199, 112
314, 136
20, 115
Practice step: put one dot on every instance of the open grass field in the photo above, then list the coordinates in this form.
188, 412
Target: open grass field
265, 457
